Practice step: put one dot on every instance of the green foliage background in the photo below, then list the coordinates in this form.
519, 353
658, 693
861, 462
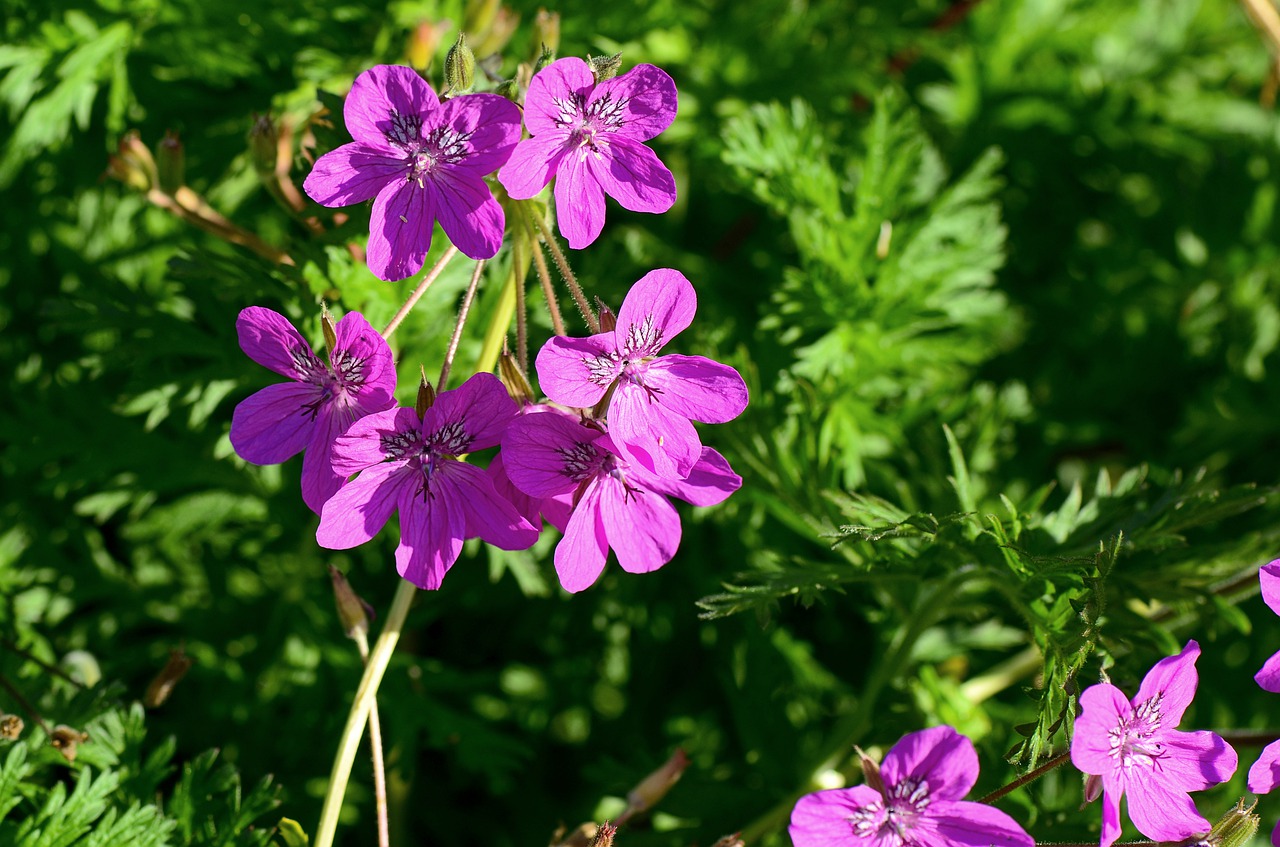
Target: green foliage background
1005, 292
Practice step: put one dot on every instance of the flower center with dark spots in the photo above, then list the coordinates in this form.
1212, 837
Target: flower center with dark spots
337, 381
1134, 739
893, 819
605, 115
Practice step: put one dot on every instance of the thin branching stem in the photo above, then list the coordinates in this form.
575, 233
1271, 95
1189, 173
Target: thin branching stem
25, 704
522, 306
31, 657
431, 277
570, 280
375, 748
1029, 776
549, 292
463, 311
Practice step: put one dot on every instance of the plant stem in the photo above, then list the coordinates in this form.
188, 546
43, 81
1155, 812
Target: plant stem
25, 705
457, 328
431, 277
1247, 738
540, 261
186, 205
1060, 759
360, 708
522, 306
31, 657
570, 280
375, 748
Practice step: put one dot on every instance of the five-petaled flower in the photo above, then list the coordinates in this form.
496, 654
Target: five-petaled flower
913, 799
423, 161
654, 397
616, 505
1264, 775
323, 399
1136, 750
589, 137
410, 463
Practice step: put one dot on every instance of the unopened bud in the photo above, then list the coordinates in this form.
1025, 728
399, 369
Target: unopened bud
460, 67
733, 840
655, 786
422, 45
499, 33
604, 835
509, 89
171, 163
1236, 828
165, 681
479, 15
10, 727
608, 320
604, 67
263, 141
353, 612
546, 32
330, 332
426, 395
66, 740
545, 58
580, 837
513, 378
1092, 788
870, 772
133, 164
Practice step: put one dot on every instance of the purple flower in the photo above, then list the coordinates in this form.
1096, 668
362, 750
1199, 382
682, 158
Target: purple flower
617, 505
410, 464
911, 800
589, 137
1269, 677
319, 404
1264, 776
1135, 748
423, 161
654, 397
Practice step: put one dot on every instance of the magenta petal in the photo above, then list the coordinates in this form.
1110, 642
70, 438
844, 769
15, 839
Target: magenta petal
359, 341
1194, 761
647, 434
1162, 812
1275, 835
269, 339
537, 450
432, 528
821, 819
361, 507
490, 124
380, 92
579, 200
400, 231
319, 480
365, 442
353, 173
274, 424
663, 300
1102, 708
480, 409
1268, 678
1264, 775
469, 215
1175, 679
1111, 816
550, 89
650, 98
531, 166
698, 388
710, 482
526, 506
1269, 577
939, 757
488, 516
642, 527
632, 174
577, 371
965, 824
581, 554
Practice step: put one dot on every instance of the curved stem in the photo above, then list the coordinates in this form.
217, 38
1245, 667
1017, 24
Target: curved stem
431, 277
360, 708
570, 280
375, 748
1249, 738
463, 311
544, 276
1060, 759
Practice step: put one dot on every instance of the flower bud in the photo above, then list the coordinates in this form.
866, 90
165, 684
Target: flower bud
604, 67
654, 786
263, 144
168, 678
353, 611
133, 164
460, 67
870, 771
604, 835
426, 395
732, 840
171, 163
608, 320
66, 740
546, 33
479, 15
509, 89
1092, 788
513, 378
330, 332
10, 727
1236, 828
422, 45
500, 30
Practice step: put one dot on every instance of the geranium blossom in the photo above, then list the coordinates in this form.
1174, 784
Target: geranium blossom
323, 399
423, 161
617, 505
1136, 750
589, 137
913, 799
654, 397
1265, 773
410, 463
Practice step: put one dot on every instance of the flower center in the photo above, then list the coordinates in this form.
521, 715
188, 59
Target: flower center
894, 819
1135, 739
441, 146
338, 381
404, 131
584, 122
581, 461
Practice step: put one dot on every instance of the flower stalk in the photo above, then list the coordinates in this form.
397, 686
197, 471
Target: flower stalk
432, 276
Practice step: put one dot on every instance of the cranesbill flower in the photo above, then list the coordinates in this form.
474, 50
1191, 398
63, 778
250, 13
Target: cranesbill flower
323, 399
1269, 677
654, 397
1264, 776
588, 137
911, 800
410, 463
420, 161
1136, 750
617, 505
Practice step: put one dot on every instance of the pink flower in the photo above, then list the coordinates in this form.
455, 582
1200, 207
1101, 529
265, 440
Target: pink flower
911, 800
1135, 748
323, 399
654, 397
1264, 776
410, 464
1265, 773
617, 505
423, 161
589, 137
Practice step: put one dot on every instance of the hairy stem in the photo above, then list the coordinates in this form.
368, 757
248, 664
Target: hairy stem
1029, 776
544, 276
431, 277
463, 310
569, 279
522, 308
375, 748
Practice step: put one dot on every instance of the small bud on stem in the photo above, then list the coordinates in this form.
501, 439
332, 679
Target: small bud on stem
171, 163
66, 740
167, 679
460, 67
353, 611
604, 67
426, 394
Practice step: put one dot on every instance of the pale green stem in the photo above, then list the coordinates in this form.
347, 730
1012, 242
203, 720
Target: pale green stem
375, 747
522, 307
463, 311
570, 280
431, 277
